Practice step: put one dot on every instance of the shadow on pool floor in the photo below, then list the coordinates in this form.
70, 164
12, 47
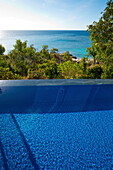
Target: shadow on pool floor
80, 140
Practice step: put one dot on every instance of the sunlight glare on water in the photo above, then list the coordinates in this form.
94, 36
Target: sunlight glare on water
1, 34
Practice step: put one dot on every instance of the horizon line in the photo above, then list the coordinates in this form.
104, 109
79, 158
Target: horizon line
44, 30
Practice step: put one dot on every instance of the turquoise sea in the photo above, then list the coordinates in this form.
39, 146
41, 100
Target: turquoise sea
75, 42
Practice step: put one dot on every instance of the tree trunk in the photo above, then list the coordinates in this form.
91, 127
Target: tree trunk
94, 61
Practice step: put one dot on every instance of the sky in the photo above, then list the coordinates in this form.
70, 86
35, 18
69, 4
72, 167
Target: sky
49, 14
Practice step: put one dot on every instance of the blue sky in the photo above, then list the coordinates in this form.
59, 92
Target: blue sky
49, 14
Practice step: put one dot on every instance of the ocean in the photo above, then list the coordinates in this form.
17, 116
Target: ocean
75, 42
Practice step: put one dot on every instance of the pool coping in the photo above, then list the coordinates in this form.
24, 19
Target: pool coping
55, 82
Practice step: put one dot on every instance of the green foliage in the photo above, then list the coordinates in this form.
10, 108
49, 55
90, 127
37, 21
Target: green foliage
20, 46
94, 72
45, 52
92, 53
66, 56
2, 49
83, 64
107, 72
3, 61
51, 70
101, 35
37, 74
22, 57
54, 50
81, 69
68, 70
6, 74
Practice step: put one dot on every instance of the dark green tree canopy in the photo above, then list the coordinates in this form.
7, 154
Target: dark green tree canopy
101, 35
2, 49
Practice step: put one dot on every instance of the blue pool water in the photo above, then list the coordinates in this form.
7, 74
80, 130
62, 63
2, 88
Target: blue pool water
72, 128
75, 42
81, 140
56, 99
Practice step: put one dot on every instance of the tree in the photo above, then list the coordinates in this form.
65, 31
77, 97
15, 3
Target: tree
51, 70
54, 50
2, 49
66, 56
20, 46
22, 57
6, 74
91, 52
45, 52
101, 35
81, 68
68, 69
94, 72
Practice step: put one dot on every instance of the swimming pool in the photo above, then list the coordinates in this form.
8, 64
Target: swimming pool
56, 124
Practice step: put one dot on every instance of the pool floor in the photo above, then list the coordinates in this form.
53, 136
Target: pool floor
81, 140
